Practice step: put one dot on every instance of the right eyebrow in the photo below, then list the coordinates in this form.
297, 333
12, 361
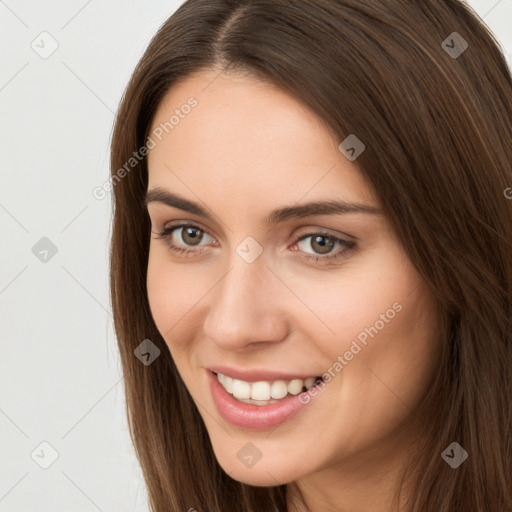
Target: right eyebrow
159, 195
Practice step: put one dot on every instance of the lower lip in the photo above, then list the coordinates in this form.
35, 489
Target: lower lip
252, 416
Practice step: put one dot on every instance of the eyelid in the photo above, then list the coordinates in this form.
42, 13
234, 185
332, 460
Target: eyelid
311, 230
188, 223
303, 231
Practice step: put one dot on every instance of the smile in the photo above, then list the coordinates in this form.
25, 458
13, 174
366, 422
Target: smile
257, 414
265, 392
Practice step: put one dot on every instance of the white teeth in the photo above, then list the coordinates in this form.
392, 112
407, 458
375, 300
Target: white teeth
309, 382
228, 384
260, 390
263, 392
257, 402
279, 389
241, 389
295, 386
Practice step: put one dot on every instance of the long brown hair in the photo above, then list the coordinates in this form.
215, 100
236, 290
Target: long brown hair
435, 115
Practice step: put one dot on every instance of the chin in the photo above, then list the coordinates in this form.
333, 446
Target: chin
262, 473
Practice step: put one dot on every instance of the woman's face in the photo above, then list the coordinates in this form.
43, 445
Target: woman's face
264, 297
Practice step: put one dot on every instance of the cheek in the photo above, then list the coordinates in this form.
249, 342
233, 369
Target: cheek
174, 296
166, 293
376, 298
357, 303
385, 367
382, 324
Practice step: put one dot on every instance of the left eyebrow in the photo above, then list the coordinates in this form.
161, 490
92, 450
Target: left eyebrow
278, 215
320, 208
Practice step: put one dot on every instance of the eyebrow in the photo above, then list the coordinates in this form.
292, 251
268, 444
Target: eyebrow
159, 195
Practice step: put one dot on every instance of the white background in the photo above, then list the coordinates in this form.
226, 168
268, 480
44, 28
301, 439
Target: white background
59, 367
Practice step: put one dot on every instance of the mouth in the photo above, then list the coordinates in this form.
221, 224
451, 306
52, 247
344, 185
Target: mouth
263, 393
251, 405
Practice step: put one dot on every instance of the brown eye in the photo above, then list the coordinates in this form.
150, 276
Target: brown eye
320, 247
191, 235
182, 238
322, 244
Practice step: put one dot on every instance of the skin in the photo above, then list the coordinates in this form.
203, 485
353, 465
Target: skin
244, 150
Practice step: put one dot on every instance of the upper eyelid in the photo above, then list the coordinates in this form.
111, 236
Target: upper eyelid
203, 227
181, 224
306, 232
301, 235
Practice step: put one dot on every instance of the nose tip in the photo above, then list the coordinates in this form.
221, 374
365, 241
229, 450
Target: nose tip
244, 308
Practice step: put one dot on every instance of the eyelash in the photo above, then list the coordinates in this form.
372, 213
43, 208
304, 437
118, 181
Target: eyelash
349, 245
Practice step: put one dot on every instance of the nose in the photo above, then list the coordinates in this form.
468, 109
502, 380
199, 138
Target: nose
246, 307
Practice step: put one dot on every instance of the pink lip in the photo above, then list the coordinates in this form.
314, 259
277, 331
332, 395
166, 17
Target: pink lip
251, 416
257, 376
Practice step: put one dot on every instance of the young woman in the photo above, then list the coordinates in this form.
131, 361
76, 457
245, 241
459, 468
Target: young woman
311, 258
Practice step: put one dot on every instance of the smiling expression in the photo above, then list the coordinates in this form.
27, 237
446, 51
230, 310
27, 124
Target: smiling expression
249, 278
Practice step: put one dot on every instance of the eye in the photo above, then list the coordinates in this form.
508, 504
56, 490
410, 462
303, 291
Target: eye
322, 244
189, 234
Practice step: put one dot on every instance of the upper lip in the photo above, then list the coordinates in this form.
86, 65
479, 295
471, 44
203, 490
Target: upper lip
254, 375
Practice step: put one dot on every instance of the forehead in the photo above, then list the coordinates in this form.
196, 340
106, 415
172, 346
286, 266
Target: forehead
249, 136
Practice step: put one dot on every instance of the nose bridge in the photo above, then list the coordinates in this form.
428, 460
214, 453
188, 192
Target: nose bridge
243, 308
